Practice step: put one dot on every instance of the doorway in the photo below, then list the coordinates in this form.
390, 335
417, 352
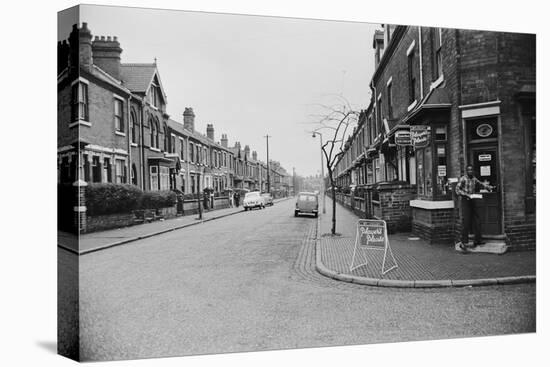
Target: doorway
483, 156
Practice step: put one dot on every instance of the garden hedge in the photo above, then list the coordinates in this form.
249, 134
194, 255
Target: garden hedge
110, 198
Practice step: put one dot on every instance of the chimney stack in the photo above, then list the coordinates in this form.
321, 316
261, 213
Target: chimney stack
63, 52
378, 45
106, 54
246, 151
210, 131
80, 44
224, 140
255, 155
189, 119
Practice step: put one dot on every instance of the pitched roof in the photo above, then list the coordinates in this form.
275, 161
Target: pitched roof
137, 77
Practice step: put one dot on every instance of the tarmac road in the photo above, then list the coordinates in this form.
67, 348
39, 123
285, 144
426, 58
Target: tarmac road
247, 282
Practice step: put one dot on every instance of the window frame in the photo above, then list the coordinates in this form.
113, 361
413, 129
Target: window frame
118, 118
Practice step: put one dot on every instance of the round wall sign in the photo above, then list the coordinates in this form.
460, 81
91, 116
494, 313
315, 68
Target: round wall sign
484, 130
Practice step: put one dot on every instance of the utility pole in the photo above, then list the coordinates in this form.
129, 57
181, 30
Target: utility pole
268, 179
322, 169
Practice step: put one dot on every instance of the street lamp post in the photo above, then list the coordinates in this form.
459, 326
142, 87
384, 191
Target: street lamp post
268, 176
322, 169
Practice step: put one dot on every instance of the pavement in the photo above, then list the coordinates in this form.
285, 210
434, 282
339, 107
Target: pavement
248, 282
419, 264
96, 241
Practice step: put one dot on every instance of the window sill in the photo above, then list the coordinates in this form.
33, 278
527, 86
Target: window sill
154, 149
80, 123
133, 144
411, 106
431, 205
119, 133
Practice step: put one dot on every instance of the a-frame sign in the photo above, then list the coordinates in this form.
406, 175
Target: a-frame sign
372, 235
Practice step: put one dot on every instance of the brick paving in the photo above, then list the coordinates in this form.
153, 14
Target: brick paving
416, 259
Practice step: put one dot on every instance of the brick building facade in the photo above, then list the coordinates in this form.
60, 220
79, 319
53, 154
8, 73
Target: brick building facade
474, 91
113, 127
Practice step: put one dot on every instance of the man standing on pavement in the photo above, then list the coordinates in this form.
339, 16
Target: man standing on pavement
465, 188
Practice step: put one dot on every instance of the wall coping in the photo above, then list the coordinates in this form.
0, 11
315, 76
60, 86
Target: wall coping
432, 205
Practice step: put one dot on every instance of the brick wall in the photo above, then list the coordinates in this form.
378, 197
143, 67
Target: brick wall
434, 226
395, 205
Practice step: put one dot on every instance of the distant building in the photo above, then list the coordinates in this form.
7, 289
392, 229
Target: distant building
113, 127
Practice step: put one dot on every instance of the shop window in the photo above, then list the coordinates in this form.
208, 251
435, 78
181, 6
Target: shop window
432, 167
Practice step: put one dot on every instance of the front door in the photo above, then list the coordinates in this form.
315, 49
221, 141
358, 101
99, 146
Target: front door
485, 162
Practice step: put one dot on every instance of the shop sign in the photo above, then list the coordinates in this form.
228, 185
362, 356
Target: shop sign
442, 171
484, 157
402, 138
371, 235
420, 136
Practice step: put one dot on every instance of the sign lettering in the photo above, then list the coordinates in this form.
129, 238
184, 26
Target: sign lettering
402, 138
372, 235
420, 136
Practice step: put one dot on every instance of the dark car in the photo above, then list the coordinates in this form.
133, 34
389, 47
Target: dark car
307, 203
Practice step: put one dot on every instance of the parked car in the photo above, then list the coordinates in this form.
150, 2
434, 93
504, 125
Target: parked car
268, 198
253, 200
307, 203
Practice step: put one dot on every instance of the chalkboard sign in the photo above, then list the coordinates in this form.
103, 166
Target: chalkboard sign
372, 235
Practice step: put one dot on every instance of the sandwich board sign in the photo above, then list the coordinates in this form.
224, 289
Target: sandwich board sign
372, 234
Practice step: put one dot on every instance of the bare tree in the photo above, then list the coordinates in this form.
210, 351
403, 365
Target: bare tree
336, 121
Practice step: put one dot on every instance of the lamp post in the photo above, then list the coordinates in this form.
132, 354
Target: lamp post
268, 177
322, 168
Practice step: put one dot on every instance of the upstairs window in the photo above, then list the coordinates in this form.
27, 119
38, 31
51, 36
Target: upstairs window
390, 102
154, 95
436, 42
79, 106
173, 144
119, 122
411, 77
133, 127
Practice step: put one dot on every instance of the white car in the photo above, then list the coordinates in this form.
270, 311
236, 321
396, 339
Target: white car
253, 200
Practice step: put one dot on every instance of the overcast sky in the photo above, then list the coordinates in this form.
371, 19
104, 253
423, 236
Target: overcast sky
248, 75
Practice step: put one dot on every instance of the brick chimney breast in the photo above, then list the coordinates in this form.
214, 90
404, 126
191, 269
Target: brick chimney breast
189, 119
106, 55
210, 131
224, 141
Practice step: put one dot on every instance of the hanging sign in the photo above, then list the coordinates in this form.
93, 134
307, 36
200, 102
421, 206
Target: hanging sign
442, 170
484, 157
372, 235
420, 136
402, 137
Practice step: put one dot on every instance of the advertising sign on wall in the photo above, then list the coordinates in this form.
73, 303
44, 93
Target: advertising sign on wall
420, 136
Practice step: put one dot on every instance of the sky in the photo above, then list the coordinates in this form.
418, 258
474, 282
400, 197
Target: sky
247, 75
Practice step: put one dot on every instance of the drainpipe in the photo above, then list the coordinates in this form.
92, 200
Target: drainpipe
128, 139
142, 153
420, 54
